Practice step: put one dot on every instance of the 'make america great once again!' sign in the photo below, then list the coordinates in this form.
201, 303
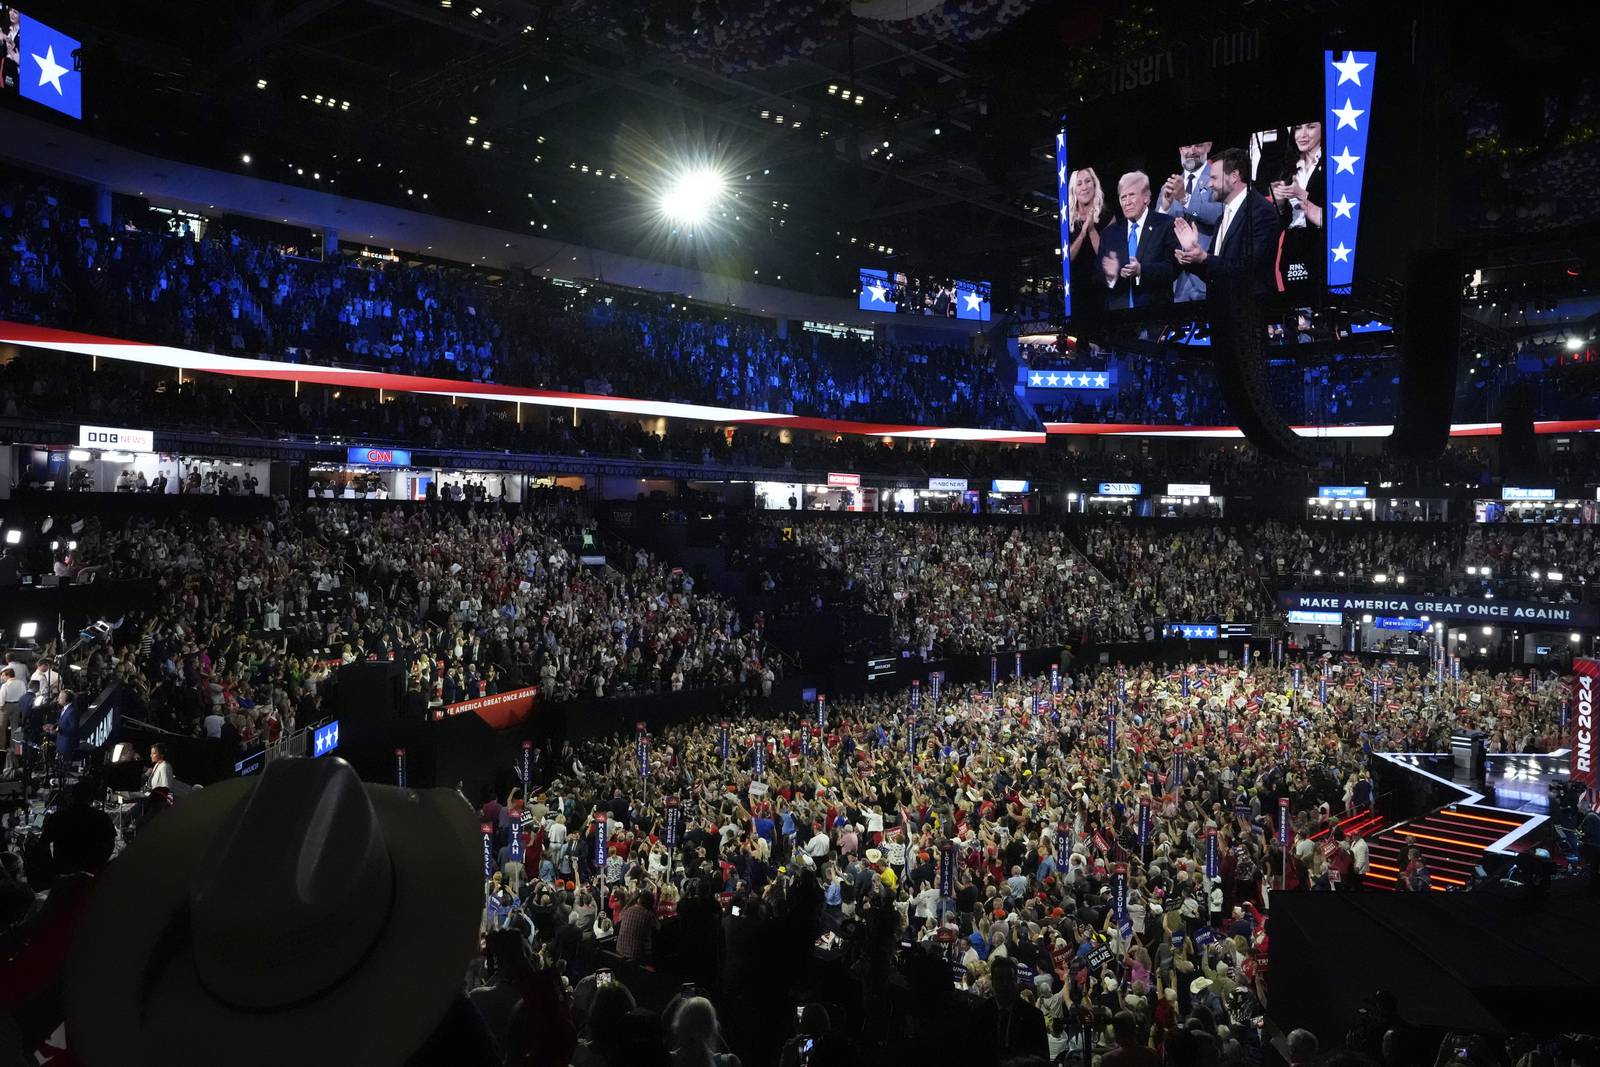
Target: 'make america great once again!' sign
1449, 609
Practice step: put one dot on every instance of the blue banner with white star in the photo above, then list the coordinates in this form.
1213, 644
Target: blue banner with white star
877, 292
1063, 215
324, 739
47, 67
1194, 631
1348, 103
1066, 378
972, 300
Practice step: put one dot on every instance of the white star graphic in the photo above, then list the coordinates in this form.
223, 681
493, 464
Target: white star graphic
1068, 285
1061, 174
1100, 381
877, 292
1342, 206
1341, 254
49, 70
1083, 380
974, 301
1035, 379
1063, 213
1349, 70
1346, 162
1347, 115
1061, 140
1051, 379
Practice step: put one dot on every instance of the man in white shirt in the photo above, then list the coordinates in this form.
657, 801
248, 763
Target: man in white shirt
49, 681
1358, 854
11, 689
819, 845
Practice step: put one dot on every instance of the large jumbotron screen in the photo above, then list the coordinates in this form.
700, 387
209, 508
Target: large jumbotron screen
1306, 173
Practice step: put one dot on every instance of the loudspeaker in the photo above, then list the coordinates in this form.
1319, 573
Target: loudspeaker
1430, 355
1519, 448
1238, 340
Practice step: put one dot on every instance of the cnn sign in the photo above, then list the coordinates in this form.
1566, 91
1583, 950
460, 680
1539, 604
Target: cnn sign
117, 437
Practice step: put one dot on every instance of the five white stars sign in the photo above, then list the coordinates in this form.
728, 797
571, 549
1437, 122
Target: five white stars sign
1347, 100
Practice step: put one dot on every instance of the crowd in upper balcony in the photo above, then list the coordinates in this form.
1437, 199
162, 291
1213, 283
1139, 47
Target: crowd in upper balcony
233, 293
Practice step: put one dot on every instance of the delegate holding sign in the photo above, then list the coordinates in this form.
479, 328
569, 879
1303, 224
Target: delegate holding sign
1455, 608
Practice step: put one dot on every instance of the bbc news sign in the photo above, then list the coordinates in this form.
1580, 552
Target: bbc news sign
948, 485
848, 481
1584, 683
117, 437
1560, 615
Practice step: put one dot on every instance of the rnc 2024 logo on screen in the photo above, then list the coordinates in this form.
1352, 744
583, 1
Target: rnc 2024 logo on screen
41, 63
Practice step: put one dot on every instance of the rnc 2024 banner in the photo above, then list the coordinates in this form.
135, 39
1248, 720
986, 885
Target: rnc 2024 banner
1586, 679
1449, 609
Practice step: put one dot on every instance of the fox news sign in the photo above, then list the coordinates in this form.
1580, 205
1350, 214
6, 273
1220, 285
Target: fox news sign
116, 437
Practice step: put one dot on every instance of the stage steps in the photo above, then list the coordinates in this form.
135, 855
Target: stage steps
1452, 840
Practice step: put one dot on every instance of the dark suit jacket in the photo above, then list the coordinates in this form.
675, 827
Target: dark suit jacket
1025, 1036
1158, 242
1249, 247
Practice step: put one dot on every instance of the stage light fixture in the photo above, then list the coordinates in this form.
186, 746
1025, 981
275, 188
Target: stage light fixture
690, 196
13, 537
78, 455
26, 631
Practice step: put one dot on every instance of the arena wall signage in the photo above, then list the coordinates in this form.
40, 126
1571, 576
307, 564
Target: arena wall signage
118, 437
1316, 618
499, 711
1519, 611
1009, 485
1514, 492
1342, 492
380, 457
948, 485
845, 480
1585, 681
1194, 631
1121, 488
1188, 488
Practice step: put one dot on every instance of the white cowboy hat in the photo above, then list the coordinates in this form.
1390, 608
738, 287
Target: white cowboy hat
272, 919
874, 855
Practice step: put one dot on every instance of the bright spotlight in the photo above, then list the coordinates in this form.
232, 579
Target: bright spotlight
690, 196
27, 630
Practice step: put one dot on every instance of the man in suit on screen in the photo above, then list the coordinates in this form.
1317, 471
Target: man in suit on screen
1245, 245
1137, 251
1187, 195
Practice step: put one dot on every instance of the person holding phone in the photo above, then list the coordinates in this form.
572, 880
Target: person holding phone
812, 1025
